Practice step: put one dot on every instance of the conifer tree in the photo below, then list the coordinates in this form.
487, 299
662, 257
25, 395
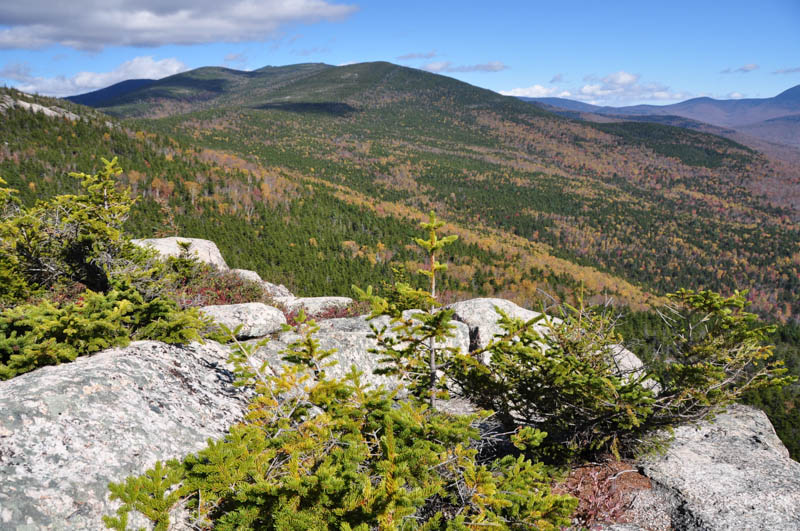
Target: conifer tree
412, 343
72, 236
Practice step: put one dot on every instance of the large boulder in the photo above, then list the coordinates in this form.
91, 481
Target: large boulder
205, 250
351, 339
732, 473
255, 318
314, 305
482, 318
66, 431
273, 290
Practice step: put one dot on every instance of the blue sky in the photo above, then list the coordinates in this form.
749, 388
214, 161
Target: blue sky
604, 52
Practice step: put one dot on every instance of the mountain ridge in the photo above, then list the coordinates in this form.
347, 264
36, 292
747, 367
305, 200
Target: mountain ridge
753, 116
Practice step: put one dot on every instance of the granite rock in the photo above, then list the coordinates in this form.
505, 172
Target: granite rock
730, 473
66, 431
255, 318
205, 250
273, 290
351, 339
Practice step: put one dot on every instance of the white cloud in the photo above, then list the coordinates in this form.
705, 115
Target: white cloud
447, 66
744, 69
144, 67
618, 88
794, 70
417, 55
621, 78
598, 90
92, 25
623, 88
534, 91
735, 95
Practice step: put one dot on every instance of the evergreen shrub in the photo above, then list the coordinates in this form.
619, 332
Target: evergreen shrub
51, 252
568, 381
318, 453
35, 335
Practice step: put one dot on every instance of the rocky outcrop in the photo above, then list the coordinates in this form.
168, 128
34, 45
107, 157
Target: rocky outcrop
7, 102
314, 305
246, 274
273, 290
730, 473
205, 250
67, 430
255, 318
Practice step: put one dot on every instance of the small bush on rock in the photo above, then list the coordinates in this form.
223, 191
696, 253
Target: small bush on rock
50, 253
71, 236
35, 335
568, 381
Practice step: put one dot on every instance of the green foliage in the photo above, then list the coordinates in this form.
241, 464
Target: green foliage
317, 453
35, 335
411, 344
399, 294
717, 354
650, 336
690, 147
560, 377
71, 236
151, 494
78, 240
571, 380
6, 194
13, 286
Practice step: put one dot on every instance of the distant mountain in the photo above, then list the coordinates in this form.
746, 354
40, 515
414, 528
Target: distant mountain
193, 90
96, 98
312, 87
563, 103
769, 119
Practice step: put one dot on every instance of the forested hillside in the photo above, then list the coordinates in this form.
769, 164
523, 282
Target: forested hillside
293, 228
660, 206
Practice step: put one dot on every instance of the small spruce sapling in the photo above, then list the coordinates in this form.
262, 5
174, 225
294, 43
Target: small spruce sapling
717, 352
411, 345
